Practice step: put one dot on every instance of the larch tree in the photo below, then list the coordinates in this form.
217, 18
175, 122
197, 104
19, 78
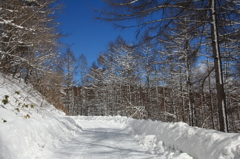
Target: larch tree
69, 72
147, 62
83, 72
156, 17
118, 64
21, 23
29, 47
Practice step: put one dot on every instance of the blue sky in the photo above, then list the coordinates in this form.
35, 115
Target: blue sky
87, 36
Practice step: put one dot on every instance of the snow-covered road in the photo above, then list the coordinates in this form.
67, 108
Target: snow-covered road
101, 140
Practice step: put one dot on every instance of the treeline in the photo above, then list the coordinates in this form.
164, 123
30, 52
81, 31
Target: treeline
142, 83
184, 68
29, 47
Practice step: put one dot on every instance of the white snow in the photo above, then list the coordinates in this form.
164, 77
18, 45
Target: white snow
28, 131
161, 138
201, 69
31, 128
101, 140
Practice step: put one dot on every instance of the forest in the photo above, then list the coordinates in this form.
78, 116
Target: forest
183, 66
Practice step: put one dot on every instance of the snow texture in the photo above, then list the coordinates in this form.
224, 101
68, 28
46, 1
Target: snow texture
199, 143
29, 126
101, 140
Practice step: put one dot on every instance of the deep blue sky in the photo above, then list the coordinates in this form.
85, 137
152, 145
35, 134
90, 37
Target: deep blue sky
87, 35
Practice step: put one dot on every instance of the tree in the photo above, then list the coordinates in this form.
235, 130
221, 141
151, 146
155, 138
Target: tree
21, 22
120, 72
147, 62
83, 70
69, 72
29, 48
156, 17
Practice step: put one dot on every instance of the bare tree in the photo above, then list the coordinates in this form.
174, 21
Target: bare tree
69, 70
143, 16
83, 72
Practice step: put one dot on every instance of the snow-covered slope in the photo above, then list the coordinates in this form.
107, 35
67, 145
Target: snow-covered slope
29, 126
197, 142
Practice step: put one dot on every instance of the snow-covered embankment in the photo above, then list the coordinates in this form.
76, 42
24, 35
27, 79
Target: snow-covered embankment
29, 126
198, 142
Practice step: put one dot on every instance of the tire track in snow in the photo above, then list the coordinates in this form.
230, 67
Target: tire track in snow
100, 140
80, 149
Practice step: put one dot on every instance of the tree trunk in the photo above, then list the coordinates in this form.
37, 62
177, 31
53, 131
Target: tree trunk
218, 70
189, 85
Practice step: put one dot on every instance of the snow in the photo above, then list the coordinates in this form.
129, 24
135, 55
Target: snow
201, 69
31, 128
9, 22
27, 129
161, 138
101, 140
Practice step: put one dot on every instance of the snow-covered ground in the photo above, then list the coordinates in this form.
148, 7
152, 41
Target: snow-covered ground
163, 138
31, 128
101, 139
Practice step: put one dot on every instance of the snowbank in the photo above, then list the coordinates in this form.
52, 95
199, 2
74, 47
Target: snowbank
29, 126
197, 142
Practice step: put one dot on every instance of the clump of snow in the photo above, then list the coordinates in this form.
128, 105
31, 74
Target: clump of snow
149, 142
29, 126
158, 136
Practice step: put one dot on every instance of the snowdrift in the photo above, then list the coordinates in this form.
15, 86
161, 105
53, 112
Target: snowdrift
29, 126
197, 142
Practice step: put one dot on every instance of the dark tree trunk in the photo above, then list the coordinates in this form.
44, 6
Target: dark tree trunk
218, 70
